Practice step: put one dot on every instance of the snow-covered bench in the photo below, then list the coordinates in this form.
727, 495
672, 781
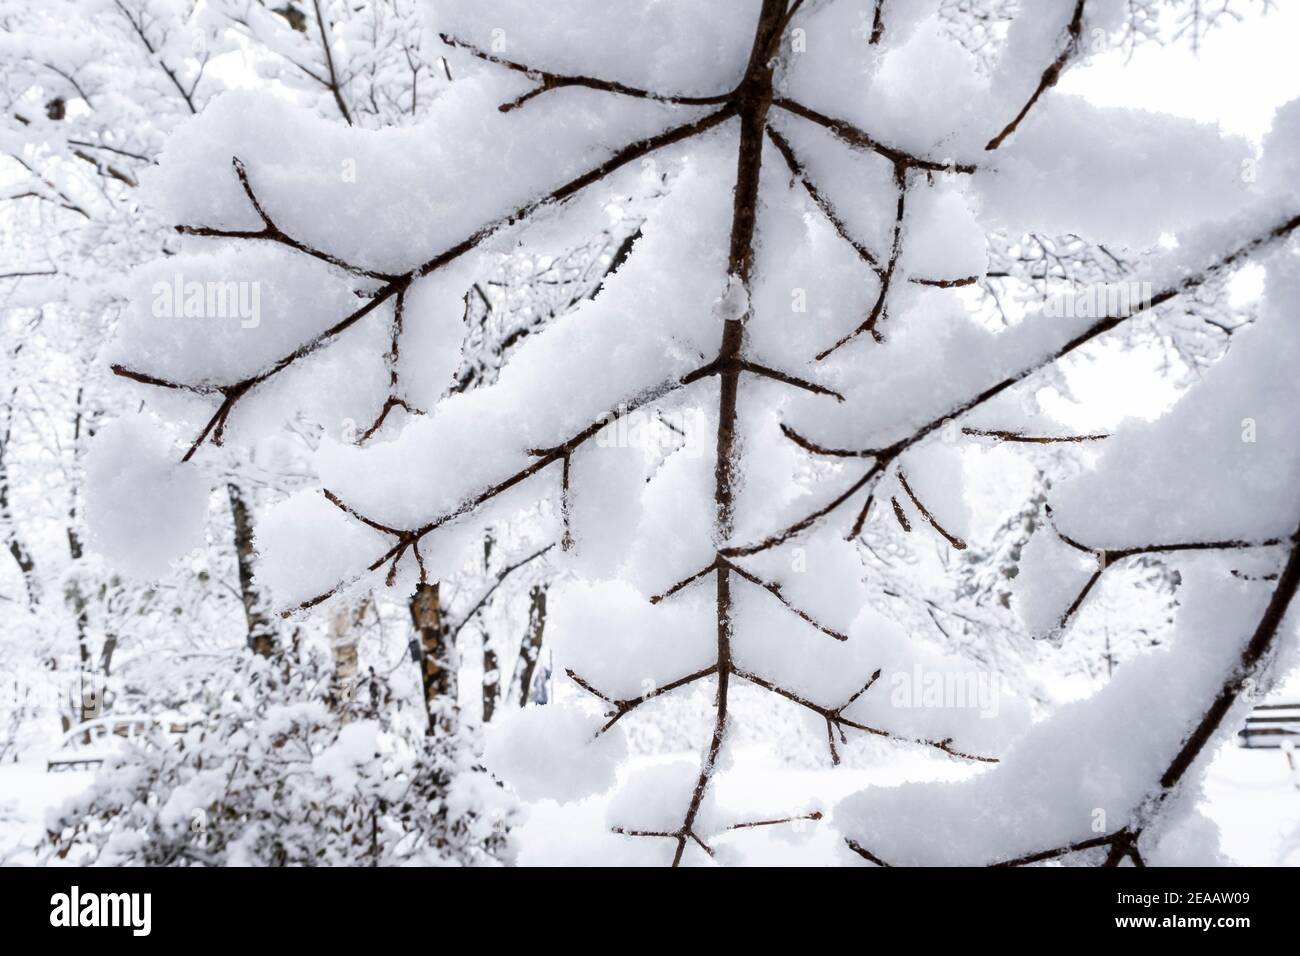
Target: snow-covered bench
1271, 724
89, 744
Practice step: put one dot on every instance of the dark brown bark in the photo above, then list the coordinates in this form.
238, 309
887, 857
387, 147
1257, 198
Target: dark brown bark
437, 672
754, 102
1053, 73
878, 23
335, 88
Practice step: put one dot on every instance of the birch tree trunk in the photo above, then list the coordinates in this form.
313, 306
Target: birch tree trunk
531, 647
344, 637
261, 630
491, 666
437, 667
85, 705
12, 539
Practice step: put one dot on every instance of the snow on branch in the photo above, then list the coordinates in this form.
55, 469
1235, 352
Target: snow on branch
739, 259
883, 457
1069, 50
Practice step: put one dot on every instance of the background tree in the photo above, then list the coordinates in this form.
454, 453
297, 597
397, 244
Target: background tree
87, 119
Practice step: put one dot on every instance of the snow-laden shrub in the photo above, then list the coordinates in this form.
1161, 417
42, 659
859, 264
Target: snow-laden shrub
274, 776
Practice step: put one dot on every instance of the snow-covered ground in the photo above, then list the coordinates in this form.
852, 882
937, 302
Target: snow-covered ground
1255, 799
27, 792
1251, 794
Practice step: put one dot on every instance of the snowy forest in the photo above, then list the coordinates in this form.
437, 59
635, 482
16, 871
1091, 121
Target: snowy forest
649, 433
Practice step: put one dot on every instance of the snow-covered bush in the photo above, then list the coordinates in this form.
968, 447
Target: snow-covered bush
271, 775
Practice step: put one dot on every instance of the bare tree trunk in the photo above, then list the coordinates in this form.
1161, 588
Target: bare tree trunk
491, 678
86, 704
343, 646
261, 630
437, 671
106, 654
13, 541
531, 647
491, 667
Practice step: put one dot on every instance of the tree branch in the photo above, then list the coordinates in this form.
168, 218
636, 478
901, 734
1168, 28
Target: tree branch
1050, 75
885, 456
554, 81
857, 138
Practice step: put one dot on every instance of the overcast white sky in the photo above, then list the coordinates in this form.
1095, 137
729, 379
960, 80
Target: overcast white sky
1242, 73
